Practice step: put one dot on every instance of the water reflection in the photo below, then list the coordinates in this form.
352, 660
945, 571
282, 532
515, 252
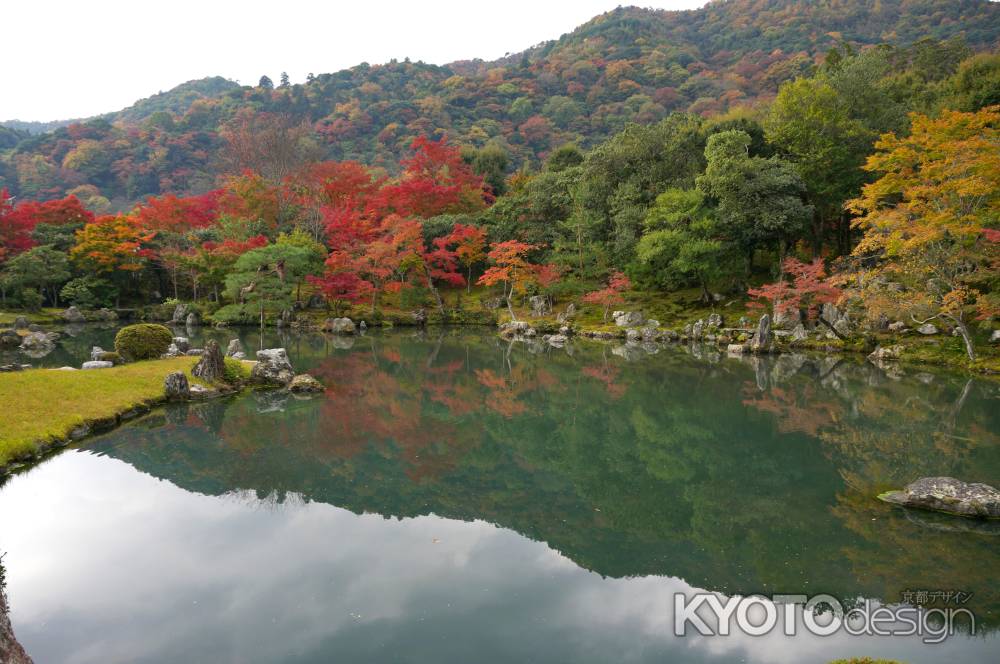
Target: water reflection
452, 495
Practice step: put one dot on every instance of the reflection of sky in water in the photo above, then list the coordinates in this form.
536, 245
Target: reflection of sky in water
107, 565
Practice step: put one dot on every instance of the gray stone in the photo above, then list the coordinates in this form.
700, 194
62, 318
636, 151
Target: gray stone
193, 352
995, 337
73, 315
885, 353
8, 368
633, 335
697, 330
20, 323
362, 326
183, 344
210, 367
761, 342
180, 314
843, 326
37, 341
898, 326
9, 338
628, 318
540, 305
714, 320
787, 319
735, 349
97, 364
66, 369
192, 320
339, 326
799, 333
567, 315
96, 352
946, 494
235, 348
305, 383
176, 386
35, 327
272, 367
927, 329
107, 314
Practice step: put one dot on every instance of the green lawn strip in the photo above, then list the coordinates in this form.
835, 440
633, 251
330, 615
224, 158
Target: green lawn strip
41, 406
42, 317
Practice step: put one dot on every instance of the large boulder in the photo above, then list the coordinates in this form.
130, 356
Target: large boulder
885, 354
20, 323
714, 320
567, 315
235, 349
211, 367
698, 329
304, 383
73, 315
192, 320
273, 367
106, 314
761, 342
946, 494
9, 338
96, 352
928, 329
787, 319
339, 326
628, 318
176, 386
37, 341
540, 305
180, 314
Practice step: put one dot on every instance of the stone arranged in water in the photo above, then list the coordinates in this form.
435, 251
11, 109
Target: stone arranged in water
272, 367
210, 367
305, 383
339, 326
176, 386
946, 494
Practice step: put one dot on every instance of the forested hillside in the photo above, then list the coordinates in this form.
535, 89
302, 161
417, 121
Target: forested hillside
629, 65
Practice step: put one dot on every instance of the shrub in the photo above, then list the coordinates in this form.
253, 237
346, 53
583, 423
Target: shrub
89, 292
108, 356
237, 314
31, 299
144, 341
234, 370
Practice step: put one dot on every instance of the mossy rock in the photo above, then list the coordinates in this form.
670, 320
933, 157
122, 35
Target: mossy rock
144, 341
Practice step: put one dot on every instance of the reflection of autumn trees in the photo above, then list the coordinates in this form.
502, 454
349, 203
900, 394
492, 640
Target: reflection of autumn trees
667, 466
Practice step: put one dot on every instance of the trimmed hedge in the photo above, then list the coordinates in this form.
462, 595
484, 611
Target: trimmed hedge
145, 341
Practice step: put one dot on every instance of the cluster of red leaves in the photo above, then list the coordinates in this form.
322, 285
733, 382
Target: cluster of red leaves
808, 288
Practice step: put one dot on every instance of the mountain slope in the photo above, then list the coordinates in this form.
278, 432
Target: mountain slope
628, 65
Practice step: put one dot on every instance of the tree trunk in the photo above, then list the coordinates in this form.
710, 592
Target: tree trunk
510, 305
970, 350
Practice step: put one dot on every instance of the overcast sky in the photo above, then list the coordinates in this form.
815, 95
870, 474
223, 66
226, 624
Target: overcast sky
71, 58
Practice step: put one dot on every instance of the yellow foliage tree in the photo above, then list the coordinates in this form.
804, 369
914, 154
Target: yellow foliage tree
931, 247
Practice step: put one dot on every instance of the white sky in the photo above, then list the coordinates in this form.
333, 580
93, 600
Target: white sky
76, 58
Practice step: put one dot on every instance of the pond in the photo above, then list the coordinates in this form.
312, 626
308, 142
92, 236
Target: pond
453, 498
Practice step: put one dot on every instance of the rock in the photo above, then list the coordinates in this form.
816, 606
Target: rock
66, 369
419, 316
735, 349
194, 352
515, 328
73, 315
338, 326
211, 367
714, 320
97, 364
272, 367
192, 320
9, 338
557, 340
885, 353
305, 383
20, 323
107, 314
565, 330
183, 344
743, 323
698, 329
898, 326
946, 494
787, 319
180, 314
799, 333
761, 342
633, 335
176, 386
96, 352
927, 329
34, 327
7, 368
843, 326
540, 305
362, 326
628, 318
37, 341
567, 315
235, 347
995, 337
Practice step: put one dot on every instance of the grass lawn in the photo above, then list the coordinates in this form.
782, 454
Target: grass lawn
45, 316
42, 405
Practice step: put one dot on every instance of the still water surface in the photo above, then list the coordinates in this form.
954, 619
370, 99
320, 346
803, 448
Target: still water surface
453, 499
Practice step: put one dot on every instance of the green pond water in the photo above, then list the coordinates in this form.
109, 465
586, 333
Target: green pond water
453, 498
